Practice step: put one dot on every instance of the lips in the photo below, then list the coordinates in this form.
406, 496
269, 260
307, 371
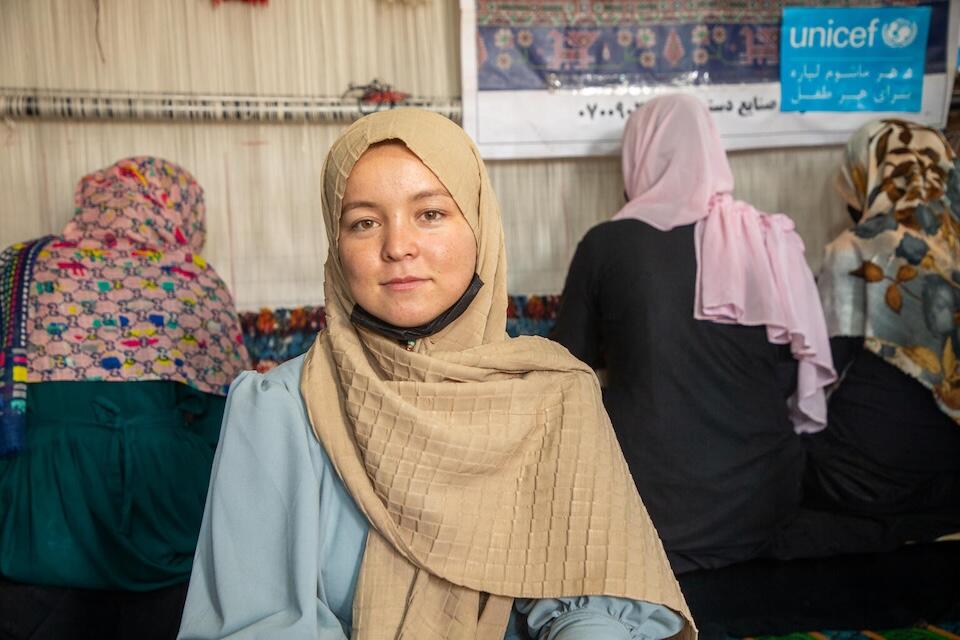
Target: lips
405, 283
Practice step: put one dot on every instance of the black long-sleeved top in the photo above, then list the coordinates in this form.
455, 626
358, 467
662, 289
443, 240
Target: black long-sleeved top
887, 449
699, 407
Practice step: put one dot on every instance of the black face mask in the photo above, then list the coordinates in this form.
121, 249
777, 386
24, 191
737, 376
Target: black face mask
362, 317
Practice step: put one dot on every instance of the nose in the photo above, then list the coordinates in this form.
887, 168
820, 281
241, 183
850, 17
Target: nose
400, 241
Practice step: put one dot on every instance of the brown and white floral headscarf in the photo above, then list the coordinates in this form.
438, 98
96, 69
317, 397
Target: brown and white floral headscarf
894, 278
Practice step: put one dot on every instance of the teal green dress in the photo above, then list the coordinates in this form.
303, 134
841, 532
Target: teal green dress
109, 492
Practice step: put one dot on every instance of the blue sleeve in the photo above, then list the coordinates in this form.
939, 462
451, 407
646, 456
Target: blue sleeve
256, 569
598, 618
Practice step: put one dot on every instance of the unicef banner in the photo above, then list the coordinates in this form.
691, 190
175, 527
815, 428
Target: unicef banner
853, 59
547, 78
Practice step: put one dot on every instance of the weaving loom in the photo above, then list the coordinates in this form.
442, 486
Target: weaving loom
250, 102
67, 110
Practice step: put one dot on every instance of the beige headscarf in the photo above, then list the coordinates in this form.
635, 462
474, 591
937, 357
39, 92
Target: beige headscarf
485, 465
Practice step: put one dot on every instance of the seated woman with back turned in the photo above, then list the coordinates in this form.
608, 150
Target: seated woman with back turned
890, 288
119, 344
697, 304
417, 471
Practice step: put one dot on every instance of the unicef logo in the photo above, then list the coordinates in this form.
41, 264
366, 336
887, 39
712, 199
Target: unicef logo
899, 33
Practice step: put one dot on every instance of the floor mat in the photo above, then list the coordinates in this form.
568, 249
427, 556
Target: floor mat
896, 591
942, 631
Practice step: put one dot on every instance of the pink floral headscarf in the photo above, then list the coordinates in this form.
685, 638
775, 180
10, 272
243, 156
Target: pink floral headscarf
124, 294
144, 201
750, 265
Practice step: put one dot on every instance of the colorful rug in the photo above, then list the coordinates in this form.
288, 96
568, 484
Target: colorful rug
273, 336
535, 45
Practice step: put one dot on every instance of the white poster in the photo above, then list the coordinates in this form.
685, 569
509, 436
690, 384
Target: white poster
548, 79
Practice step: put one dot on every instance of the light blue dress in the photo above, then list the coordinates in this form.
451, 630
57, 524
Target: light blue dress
281, 541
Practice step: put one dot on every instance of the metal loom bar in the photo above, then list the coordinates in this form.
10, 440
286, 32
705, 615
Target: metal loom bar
20, 103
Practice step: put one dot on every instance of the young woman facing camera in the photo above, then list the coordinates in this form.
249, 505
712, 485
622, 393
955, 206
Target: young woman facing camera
418, 474
407, 252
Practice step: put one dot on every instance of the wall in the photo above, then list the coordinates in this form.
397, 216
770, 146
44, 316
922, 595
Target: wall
261, 180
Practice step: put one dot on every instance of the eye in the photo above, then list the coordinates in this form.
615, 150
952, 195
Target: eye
364, 224
432, 215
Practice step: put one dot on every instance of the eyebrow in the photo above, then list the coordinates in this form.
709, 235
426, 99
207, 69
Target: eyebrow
431, 193
358, 204
365, 204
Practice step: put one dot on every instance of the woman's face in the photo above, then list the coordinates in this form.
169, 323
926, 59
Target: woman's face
407, 252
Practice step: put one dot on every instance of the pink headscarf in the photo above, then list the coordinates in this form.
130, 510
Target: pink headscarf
123, 294
750, 265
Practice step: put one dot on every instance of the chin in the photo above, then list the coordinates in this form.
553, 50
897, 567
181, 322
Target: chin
403, 316
406, 320
409, 308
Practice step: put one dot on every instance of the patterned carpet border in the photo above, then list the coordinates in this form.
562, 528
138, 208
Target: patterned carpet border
273, 336
941, 631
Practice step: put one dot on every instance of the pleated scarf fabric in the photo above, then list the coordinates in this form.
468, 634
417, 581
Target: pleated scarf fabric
487, 467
